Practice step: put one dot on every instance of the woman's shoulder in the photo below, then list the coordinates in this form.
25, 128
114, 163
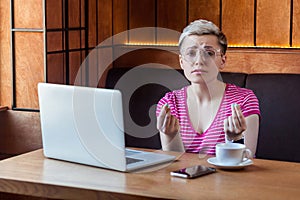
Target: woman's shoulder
175, 93
236, 94
234, 88
173, 98
244, 97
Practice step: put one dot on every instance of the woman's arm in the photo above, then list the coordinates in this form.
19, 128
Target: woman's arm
171, 143
236, 126
168, 126
251, 133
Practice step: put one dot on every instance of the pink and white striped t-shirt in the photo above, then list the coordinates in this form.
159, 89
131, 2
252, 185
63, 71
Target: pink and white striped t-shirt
205, 142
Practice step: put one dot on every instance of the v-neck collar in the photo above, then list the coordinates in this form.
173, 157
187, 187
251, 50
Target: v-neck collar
216, 116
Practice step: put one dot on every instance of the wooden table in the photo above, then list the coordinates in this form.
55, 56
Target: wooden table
32, 174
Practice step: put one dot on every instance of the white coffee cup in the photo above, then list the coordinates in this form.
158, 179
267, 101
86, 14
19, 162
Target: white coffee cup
232, 153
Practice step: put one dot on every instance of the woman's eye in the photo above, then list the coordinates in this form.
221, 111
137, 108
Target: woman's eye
191, 53
210, 53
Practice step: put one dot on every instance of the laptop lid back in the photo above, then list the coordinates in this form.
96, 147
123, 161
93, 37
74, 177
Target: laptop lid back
83, 125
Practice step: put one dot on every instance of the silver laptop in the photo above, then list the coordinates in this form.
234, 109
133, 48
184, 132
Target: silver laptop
85, 125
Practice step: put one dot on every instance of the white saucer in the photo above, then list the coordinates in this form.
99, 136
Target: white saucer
241, 165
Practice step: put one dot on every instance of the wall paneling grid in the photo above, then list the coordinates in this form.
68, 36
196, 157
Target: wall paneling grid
50, 39
27, 52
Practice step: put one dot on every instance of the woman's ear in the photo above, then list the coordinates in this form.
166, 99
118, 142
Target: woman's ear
180, 61
223, 61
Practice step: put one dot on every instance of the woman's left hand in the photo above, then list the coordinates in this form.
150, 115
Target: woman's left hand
235, 124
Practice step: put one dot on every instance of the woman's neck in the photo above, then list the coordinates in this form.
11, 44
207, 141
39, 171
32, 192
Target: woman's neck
206, 92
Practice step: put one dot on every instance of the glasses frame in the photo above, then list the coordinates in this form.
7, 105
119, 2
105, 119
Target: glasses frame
202, 49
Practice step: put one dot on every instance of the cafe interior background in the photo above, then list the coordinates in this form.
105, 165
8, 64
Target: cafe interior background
47, 40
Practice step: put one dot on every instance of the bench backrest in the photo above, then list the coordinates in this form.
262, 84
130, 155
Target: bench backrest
278, 94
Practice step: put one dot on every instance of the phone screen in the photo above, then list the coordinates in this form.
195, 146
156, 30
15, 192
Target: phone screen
193, 172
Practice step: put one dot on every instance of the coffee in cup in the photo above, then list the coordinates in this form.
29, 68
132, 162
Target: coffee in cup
232, 153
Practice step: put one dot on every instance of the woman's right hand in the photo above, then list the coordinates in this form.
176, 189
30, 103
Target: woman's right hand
167, 123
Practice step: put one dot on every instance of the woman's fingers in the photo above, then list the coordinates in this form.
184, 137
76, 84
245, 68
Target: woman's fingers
166, 122
230, 124
161, 117
240, 117
226, 125
240, 121
236, 123
234, 116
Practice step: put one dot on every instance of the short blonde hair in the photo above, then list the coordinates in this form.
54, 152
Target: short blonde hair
204, 27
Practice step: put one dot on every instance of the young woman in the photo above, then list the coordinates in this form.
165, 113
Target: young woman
208, 111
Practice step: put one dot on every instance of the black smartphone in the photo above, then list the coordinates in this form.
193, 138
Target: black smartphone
193, 172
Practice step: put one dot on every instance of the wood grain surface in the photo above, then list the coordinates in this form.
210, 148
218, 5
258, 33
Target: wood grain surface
50, 178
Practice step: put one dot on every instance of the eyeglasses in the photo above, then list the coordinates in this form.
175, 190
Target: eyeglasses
192, 54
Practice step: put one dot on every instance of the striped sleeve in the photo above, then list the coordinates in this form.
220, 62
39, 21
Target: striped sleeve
166, 99
250, 104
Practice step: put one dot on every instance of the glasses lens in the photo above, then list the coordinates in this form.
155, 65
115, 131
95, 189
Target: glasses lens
192, 54
210, 51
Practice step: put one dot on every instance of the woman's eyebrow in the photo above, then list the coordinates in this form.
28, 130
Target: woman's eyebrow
192, 47
207, 46
201, 46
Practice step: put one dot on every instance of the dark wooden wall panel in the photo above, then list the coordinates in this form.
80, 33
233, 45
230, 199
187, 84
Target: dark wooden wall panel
171, 14
238, 23
28, 13
82, 42
54, 14
75, 39
104, 26
29, 68
74, 11
100, 21
56, 68
104, 56
296, 24
91, 64
92, 31
99, 61
166, 18
54, 41
120, 25
74, 68
273, 23
204, 9
142, 14
120, 16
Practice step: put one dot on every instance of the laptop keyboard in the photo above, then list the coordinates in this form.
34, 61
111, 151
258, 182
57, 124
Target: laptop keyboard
129, 152
132, 160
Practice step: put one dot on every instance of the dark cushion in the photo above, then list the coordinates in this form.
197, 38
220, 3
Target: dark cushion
279, 96
141, 89
238, 79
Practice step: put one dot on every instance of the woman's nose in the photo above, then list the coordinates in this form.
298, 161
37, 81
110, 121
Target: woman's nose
200, 58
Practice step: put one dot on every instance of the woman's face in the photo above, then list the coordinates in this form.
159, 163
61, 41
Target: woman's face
201, 58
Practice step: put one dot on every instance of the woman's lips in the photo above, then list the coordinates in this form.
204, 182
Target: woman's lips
198, 71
